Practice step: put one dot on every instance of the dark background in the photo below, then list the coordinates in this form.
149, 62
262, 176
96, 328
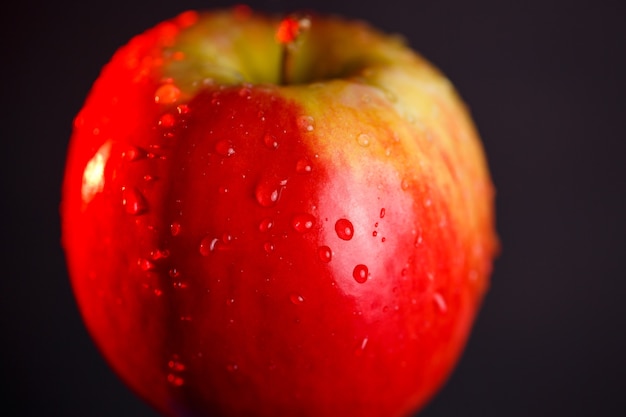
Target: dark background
545, 81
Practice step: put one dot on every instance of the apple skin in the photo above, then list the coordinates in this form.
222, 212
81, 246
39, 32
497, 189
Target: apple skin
238, 247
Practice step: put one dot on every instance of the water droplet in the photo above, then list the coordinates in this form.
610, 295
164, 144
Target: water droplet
182, 109
175, 364
180, 285
224, 147
175, 380
303, 222
303, 166
267, 194
344, 229
405, 184
440, 302
167, 94
360, 273
324, 253
296, 299
158, 254
363, 139
133, 153
306, 123
146, 264
133, 201
175, 228
270, 141
382, 212
268, 247
362, 346
167, 120
266, 224
153, 155
208, 244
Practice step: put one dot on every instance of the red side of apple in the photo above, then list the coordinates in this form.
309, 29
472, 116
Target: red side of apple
229, 262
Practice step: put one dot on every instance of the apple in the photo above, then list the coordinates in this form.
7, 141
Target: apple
277, 217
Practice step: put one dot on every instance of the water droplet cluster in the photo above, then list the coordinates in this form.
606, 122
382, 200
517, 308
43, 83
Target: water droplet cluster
250, 156
175, 371
243, 212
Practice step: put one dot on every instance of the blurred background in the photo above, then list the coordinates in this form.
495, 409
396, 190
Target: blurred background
545, 81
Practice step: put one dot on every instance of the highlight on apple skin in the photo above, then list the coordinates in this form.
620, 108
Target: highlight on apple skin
269, 217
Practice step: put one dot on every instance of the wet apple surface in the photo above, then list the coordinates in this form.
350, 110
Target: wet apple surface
242, 247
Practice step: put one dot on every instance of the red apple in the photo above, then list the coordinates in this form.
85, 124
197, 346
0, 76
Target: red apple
254, 226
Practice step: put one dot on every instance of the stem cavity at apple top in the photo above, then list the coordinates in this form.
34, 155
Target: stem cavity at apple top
288, 34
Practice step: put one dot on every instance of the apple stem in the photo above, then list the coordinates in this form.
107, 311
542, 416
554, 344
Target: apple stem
288, 33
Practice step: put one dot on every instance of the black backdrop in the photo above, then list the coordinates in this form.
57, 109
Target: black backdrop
545, 81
